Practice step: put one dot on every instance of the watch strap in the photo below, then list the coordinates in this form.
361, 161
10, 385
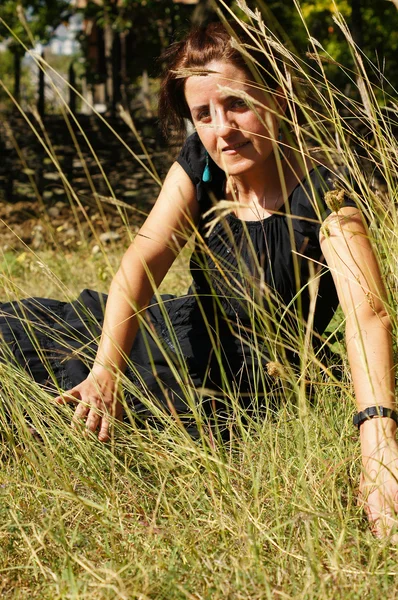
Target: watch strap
374, 411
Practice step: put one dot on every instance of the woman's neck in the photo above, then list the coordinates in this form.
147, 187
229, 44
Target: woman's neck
262, 192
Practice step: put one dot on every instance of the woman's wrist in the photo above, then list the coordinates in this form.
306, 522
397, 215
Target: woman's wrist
105, 371
374, 431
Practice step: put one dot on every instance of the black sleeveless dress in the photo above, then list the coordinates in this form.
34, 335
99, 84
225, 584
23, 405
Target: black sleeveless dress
248, 302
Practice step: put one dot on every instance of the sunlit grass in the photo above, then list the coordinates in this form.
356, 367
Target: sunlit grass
50, 274
272, 513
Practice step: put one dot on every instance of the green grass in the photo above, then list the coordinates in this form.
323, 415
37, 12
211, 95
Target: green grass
52, 274
155, 515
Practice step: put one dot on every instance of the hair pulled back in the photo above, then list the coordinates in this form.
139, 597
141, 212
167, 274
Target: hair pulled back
198, 49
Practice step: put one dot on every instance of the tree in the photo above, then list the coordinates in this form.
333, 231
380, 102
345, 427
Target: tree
124, 38
30, 21
374, 26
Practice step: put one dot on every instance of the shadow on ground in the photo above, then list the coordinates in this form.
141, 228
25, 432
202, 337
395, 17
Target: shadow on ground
35, 206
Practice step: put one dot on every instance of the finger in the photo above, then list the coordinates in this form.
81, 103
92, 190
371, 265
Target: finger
376, 519
366, 488
379, 520
374, 525
382, 520
103, 435
394, 539
93, 420
383, 527
70, 397
80, 413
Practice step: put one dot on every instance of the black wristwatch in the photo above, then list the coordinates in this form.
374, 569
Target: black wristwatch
374, 411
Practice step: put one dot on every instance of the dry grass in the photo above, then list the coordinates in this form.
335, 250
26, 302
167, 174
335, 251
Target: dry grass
153, 514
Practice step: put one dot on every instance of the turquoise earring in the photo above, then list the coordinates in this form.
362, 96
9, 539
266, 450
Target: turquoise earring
206, 177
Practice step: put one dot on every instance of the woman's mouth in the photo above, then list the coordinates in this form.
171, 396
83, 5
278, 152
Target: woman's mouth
234, 148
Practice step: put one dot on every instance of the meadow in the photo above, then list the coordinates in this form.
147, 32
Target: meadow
154, 514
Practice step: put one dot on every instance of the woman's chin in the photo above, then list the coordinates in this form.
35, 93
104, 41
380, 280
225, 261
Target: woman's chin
236, 168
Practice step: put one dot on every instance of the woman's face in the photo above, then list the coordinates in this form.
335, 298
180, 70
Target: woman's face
233, 134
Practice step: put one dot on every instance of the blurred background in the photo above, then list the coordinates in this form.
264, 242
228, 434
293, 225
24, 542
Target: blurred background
109, 49
78, 94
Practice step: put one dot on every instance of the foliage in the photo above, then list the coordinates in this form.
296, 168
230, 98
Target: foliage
378, 34
6, 69
28, 90
149, 24
376, 24
25, 22
30, 21
146, 27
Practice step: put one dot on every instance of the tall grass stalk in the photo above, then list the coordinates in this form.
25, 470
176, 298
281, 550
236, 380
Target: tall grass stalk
272, 513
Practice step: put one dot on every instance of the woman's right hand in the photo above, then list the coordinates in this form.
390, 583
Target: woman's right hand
97, 402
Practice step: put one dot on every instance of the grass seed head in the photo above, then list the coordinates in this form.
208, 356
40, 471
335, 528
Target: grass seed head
275, 369
334, 199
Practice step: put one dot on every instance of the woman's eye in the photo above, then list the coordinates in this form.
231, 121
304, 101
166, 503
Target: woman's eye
239, 103
203, 115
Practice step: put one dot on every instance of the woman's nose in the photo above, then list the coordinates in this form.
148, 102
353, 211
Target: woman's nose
222, 123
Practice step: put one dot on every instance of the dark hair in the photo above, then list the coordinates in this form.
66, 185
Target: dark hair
201, 46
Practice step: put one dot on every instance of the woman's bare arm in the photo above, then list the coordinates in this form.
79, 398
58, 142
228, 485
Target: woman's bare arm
348, 252
145, 264
349, 255
142, 269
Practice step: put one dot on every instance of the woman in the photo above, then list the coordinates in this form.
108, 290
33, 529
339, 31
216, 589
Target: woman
251, 267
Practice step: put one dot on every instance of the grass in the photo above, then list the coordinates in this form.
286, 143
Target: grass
51, 274
155, 515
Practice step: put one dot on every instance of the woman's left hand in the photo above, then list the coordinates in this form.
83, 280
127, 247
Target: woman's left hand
378, 489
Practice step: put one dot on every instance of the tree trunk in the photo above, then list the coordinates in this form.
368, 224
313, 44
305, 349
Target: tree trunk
146, 96
116, 80
123, 68
87, 93
72, 83
112, 57
41, 99
108, 45
17, 76
357, 22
